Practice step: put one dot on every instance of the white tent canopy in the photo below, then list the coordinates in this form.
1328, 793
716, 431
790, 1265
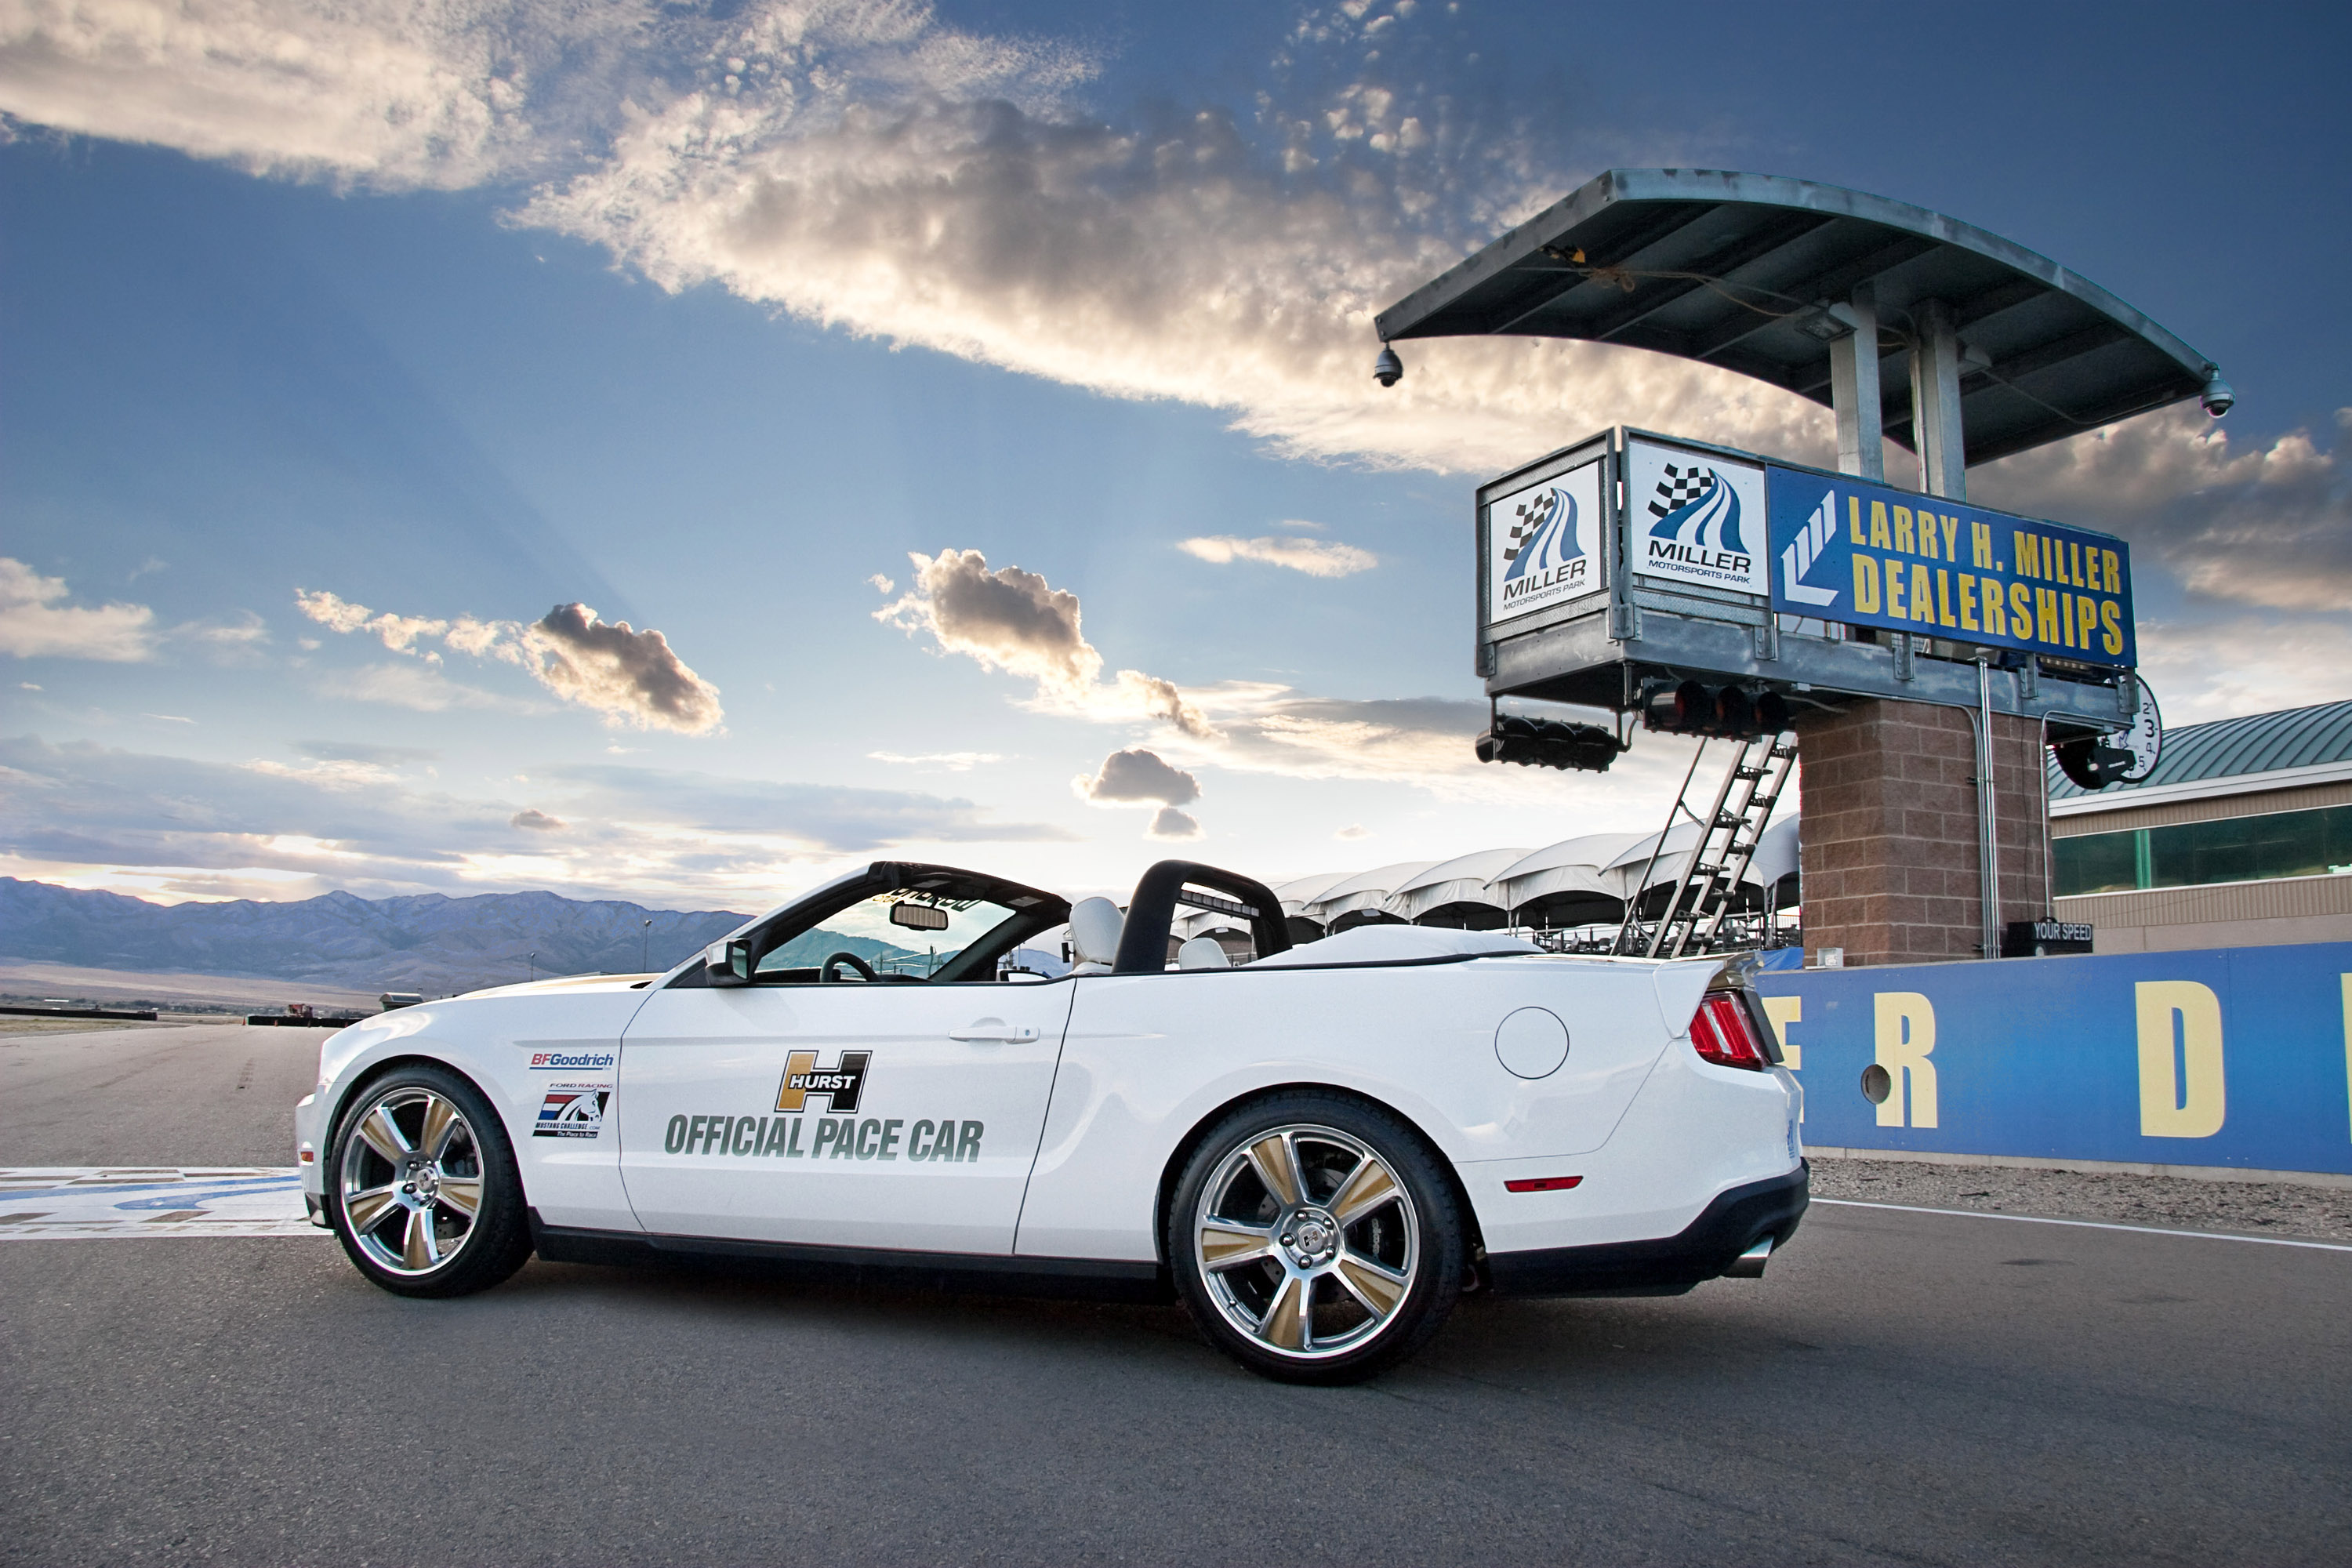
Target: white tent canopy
1464, 879
1366, 890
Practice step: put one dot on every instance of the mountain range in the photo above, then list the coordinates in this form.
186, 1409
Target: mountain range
426, 942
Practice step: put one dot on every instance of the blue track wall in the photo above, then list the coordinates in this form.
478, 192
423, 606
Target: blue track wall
2226, 1057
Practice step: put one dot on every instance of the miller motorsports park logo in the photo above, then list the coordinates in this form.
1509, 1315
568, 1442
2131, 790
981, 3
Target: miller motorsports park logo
1695, 518
838, 1136
1543, 543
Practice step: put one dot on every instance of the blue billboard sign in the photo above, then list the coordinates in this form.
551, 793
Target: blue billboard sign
2234, 1057
1866, 554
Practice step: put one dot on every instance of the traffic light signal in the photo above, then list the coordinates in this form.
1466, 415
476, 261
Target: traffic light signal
1695, 708
1548, 743
2091, 762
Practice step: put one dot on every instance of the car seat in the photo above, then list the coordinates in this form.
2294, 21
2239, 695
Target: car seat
1095, 927
1202, 952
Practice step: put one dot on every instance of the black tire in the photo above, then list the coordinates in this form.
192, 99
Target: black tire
1376, 1270
411, 1234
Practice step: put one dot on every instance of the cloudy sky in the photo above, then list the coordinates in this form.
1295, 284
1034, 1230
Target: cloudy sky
674, 450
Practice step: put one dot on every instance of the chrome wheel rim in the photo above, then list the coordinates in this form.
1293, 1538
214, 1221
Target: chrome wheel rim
412, 1180
1307, 1241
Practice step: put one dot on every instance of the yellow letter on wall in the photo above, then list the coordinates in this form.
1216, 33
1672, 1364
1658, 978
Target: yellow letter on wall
1784, 1011
2190, 1104
1906, 1033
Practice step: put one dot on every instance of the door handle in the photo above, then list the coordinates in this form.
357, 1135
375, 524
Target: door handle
993, 1031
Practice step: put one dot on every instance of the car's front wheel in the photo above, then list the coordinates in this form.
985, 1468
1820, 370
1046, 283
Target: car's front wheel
1316, 1238
422, 1186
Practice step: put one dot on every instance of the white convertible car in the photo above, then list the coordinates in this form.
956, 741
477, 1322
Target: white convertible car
1317, 1151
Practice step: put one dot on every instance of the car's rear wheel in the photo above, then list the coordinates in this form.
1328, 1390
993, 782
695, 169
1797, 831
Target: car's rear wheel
422, 1187
1316, 1238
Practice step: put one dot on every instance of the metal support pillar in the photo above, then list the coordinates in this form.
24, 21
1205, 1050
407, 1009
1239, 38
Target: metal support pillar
1854, 394
1943, 471
1936, 403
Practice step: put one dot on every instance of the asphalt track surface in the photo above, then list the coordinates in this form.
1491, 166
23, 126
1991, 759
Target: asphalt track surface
1902, 1388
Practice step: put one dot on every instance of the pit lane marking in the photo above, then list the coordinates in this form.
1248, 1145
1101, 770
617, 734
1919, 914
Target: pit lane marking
2091, 1225
90, 1203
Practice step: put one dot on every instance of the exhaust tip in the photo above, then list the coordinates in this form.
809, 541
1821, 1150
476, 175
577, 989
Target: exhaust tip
1750, 1265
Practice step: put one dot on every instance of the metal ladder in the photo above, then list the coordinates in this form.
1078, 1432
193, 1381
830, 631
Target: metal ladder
1709, 884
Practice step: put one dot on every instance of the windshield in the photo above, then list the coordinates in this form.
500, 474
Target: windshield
928, 931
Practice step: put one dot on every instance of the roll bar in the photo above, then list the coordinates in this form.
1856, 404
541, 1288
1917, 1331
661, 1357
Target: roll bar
1143, 945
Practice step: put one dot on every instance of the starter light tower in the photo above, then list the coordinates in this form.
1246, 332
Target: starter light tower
1927, 653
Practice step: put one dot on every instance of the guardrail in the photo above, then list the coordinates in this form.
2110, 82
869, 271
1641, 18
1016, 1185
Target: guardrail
2227, 1057
135, 1015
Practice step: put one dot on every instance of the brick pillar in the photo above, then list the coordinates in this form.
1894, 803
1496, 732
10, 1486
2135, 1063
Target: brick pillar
1890, 868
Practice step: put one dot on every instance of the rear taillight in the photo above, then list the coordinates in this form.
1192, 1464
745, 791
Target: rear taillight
1722, 1032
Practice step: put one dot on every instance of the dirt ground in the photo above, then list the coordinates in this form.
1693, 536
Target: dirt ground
2178, 1203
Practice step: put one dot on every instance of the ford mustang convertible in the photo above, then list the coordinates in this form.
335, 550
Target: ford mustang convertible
1318, 1150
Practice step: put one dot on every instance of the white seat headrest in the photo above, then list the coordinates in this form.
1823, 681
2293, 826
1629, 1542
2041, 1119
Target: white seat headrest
1202, 952
1095, 927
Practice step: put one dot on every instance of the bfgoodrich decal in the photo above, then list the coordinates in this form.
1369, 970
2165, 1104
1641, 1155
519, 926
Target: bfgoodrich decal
572, 1061
1693, 517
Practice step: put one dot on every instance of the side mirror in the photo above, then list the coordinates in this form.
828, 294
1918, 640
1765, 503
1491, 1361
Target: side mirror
728, 962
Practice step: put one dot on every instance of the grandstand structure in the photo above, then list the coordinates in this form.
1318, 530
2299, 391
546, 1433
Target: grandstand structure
1570, 897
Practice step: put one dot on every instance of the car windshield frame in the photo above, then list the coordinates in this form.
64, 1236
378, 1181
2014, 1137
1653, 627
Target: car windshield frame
1032, 910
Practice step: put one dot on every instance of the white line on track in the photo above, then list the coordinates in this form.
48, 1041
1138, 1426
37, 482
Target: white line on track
2090, 1225
90, 1203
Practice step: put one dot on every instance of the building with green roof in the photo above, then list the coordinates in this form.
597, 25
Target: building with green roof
2241, 836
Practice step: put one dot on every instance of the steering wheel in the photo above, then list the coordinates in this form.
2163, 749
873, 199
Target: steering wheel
865, 972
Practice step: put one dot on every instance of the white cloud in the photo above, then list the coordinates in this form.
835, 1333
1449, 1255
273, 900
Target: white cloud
1134, 778
1353, 831
1170, 823
863, 164
1013, 620
1316, 557
952, 762
96, 816
631, 676
418, 686
35, 624
427, 92
2245, 664
1201, 261
2258, 525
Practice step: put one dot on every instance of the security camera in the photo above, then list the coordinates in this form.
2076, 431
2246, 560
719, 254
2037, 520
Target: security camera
2219, 397
1388, 370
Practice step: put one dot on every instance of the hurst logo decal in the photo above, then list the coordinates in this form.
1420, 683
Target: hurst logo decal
815, 1136
840, 1087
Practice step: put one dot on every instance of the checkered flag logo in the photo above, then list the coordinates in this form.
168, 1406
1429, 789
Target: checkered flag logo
1680, 488
1539, 527
1526, 523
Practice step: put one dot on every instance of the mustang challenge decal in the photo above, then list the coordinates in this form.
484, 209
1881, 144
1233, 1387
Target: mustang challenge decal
572, 1111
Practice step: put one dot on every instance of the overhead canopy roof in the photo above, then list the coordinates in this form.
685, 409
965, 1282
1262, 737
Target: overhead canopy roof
1753, 254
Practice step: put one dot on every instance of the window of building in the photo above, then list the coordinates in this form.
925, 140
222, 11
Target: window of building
2193, 854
